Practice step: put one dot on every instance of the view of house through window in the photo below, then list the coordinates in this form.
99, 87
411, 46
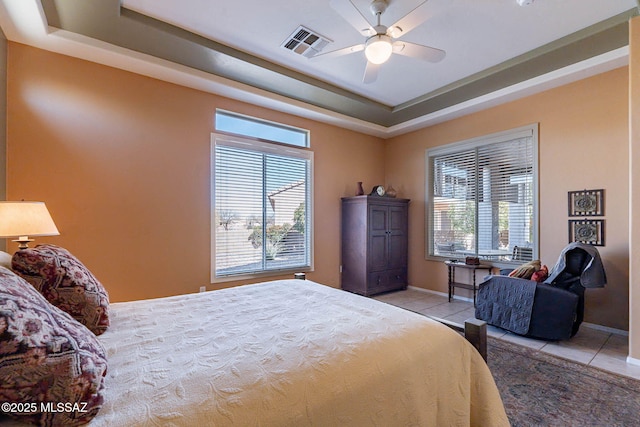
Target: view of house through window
261, 218
482, 197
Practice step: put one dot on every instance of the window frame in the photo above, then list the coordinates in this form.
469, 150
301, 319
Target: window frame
472, 144
277, 149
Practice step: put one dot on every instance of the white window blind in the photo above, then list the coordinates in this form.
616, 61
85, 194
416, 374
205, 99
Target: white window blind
262, 207
482, 197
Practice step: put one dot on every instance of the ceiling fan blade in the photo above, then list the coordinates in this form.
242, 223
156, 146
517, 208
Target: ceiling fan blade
411, 20
370, 72
351, 14
425, 53
340, 52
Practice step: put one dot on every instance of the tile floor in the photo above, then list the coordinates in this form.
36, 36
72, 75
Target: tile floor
601, 349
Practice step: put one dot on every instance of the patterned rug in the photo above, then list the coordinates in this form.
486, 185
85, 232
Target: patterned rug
542, 390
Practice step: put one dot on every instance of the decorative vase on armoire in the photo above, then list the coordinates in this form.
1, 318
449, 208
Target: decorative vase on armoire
391, 192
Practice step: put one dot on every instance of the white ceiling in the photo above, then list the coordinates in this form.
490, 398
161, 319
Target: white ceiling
479, 36
476, 34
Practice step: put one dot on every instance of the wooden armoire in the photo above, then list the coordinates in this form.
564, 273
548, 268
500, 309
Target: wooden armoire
374, 244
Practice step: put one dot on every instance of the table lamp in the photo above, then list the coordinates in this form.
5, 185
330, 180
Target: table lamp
24, 219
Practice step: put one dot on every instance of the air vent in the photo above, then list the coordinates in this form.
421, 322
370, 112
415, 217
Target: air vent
305, 42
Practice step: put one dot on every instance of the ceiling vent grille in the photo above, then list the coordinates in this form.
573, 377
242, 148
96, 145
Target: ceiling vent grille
305, 42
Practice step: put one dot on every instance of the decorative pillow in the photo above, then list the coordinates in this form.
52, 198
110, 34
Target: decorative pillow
51, 367
541, 275
525, 271
66, 283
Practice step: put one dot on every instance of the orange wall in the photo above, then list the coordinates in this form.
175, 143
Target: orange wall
122, 162
583, 144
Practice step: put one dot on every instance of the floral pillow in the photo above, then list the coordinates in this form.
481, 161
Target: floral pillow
51, 367
66, 283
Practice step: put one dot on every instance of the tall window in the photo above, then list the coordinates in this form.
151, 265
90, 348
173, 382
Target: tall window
261, 221
482, 197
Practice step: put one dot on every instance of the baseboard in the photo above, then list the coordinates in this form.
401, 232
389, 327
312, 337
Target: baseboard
633, 361
605, 329
584, 324
444, 294
428, 291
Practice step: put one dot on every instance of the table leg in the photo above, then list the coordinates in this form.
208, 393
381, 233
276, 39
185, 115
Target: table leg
473, 273
451, 278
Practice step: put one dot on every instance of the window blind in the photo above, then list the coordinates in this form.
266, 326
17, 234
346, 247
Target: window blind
262, 207
482, 198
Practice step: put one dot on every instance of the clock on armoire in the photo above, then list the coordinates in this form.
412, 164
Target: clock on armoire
374, 244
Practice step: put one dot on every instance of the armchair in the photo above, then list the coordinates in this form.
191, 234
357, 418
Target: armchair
552, 310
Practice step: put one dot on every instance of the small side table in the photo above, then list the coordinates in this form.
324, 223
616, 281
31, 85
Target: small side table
452, 265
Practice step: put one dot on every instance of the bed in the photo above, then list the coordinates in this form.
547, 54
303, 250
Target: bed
288, 353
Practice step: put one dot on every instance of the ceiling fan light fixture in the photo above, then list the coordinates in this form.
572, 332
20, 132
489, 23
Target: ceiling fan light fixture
378, 49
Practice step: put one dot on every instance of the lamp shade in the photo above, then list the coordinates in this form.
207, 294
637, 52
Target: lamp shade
26, 219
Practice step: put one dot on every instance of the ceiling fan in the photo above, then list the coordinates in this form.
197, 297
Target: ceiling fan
382, 41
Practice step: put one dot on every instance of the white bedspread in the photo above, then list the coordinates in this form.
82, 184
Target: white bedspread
289, 353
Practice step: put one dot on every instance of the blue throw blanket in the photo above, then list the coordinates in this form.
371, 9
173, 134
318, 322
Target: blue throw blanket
506, 302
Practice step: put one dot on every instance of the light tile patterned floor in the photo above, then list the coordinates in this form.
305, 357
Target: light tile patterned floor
590, 346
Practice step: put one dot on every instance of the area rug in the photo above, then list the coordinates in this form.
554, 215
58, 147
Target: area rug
543, 390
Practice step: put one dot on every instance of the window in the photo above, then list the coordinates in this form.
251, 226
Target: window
268, 131
261, 208
482, 197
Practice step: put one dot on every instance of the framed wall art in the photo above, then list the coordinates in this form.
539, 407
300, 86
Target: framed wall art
586, 203
589, 231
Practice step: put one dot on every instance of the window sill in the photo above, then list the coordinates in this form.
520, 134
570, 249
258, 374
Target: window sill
261, 275
493, 263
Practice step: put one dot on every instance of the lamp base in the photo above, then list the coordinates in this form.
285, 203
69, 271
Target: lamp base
23, 242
